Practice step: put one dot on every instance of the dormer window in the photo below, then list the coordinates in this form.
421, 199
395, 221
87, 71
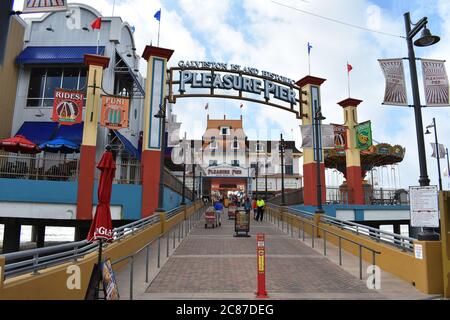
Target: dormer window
225, 131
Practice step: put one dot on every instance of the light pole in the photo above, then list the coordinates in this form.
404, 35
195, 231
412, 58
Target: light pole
257, 168
425, 40
162, 116
438, 154
265, 172
318, 136
282, 147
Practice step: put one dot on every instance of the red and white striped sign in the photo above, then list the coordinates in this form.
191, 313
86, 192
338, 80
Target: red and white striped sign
33, 6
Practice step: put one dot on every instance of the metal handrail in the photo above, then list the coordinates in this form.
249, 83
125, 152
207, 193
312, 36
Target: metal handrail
402, 242
22, 262
340, 238
396, 240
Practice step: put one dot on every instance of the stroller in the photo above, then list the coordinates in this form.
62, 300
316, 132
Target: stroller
210, 218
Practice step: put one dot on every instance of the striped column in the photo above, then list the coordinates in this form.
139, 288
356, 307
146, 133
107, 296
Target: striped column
155, 93
311, 85
353, 154
96, 65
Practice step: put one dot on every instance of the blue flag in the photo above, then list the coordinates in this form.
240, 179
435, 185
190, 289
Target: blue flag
158, 15
309, 48
133, 29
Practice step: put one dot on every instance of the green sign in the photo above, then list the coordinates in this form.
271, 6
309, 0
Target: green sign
364, 135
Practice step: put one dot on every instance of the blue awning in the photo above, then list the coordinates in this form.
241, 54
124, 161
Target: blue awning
72, 133
38, 132
132, 150
60, 55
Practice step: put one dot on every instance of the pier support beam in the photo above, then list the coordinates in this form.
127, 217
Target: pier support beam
11, 238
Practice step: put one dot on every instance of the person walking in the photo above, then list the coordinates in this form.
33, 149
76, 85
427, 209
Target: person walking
261, 204
218, 207
255, 208
247, 206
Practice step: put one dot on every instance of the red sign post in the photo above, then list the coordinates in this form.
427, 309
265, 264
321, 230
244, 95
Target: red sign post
261, 267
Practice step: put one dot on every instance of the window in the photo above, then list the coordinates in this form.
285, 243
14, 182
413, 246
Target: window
235, 163
213, 163
289, 169
44, 81
225, 131
213, 144
235, 144
259, 147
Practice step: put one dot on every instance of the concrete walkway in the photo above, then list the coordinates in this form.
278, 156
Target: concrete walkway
212, 264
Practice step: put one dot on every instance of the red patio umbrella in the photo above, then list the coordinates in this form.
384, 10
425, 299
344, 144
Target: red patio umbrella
101, 227
19, 144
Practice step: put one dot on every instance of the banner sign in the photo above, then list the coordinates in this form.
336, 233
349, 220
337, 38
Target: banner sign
114, 114
328, 136
340, 137
424, 207
364, 135
68, 107
109, 281
394, 73
33, 6
174, 134
436, 84
438, 151
261, 266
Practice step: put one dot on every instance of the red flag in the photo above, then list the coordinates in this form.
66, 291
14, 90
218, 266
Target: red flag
97, 24
349, 67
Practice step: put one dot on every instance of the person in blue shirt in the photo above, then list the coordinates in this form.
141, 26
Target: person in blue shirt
218, 206
247, 206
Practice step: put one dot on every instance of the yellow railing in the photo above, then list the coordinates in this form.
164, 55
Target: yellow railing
70, 281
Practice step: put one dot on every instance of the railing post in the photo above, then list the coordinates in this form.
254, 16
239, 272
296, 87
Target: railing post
303, 230
179, 232
2, 271
313, 231
131, 277
324, 242
174, 235
360, 262
162, 220
147, 263
340, 251
168, 244
292, 227
159, 252
35, 264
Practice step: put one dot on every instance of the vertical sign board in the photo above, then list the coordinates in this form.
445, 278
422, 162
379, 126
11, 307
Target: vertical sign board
261, 255
109, 281
241, 223
424, 207
114, 114
68, 107
156, 103
315, 107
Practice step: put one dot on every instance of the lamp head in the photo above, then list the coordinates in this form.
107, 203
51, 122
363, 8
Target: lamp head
426, 39
428, 131
319, 116
160, 114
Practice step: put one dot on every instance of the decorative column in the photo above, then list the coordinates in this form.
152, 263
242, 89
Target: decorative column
155, 93
353, 154
96, 65
311, 86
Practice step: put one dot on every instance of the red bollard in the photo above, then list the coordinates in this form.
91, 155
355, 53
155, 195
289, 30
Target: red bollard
261, 267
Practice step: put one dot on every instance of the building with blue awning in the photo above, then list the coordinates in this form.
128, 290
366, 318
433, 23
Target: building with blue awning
53, 57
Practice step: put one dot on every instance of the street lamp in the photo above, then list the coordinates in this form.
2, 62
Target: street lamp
318, 136
425, 40
438, 155
265, 172
257, 167
282, 149
448, 162
162, 116
193, 172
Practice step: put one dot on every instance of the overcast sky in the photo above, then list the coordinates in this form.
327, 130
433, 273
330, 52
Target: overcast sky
267, 36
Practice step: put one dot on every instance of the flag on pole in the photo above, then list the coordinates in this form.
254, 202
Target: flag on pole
207, 106
441, 151
349, 67
242, 106
133, 29
309, 57
158, 15
97, 24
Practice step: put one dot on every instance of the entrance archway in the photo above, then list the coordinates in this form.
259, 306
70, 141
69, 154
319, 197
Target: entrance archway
200, 79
